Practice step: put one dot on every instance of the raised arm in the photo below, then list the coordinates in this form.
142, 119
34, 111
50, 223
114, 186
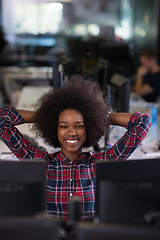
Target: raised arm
120, 119
21, 147
137, 124
28, 116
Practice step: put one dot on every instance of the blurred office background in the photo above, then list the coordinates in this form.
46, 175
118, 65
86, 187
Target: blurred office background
40, 32
97, 38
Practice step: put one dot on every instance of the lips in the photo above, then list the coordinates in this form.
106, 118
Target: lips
71, 141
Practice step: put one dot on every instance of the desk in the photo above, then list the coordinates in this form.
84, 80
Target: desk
148, 147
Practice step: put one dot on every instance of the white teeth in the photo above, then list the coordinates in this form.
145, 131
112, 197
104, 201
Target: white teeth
71, 141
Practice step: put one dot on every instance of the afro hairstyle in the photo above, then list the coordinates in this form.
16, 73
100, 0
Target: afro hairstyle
78, 94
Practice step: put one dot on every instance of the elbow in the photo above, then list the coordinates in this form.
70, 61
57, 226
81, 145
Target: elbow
147, 122
143, 127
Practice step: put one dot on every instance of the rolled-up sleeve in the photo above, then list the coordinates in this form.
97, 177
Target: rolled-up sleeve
137, 128
22, 148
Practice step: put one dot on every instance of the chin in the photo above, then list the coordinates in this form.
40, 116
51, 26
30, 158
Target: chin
73, 150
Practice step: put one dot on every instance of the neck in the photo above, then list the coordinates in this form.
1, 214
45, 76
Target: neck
71, 155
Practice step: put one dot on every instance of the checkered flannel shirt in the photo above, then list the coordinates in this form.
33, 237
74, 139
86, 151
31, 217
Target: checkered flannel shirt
63, 178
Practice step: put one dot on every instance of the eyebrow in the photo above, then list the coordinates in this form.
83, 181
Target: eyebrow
67, 122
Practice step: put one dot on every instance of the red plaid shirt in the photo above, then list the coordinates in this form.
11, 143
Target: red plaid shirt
63, 178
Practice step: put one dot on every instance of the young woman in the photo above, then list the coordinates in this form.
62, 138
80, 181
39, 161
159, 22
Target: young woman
71, 118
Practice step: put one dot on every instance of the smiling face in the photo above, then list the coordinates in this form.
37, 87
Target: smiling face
71, 133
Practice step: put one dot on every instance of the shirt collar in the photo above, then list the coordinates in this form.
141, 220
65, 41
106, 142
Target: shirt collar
82, 158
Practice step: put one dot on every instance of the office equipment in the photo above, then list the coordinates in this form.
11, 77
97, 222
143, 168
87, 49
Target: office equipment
100, 73
114, 51
14, 78
120, 92
28, 228
74, 209
103, 79
108, 96
22, 188
87, 231
57, 81
30, 96
128, 191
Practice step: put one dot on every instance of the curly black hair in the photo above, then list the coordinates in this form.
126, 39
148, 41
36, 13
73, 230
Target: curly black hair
81, 95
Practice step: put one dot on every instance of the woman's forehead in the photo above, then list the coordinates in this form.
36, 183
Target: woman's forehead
71, 115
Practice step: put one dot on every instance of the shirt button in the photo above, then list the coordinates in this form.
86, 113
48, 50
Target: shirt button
71, 194
71, 180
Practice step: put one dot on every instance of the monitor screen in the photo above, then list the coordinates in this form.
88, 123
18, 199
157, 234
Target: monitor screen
120, 88
22, 188
128, 191
29, 228
103, 231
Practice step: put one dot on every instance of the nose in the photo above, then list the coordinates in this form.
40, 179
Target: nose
72, 132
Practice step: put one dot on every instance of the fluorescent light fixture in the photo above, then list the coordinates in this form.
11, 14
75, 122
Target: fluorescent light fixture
56, 6
123, 33
94, 29
124, 30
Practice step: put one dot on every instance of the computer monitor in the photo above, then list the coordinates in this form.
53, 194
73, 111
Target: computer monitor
29, 228
128, 191
114, 51
102, 231
120, 93
57, 81
22, 188
100, 73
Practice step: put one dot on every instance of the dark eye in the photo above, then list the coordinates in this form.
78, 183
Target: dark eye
80, 126
63, 127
